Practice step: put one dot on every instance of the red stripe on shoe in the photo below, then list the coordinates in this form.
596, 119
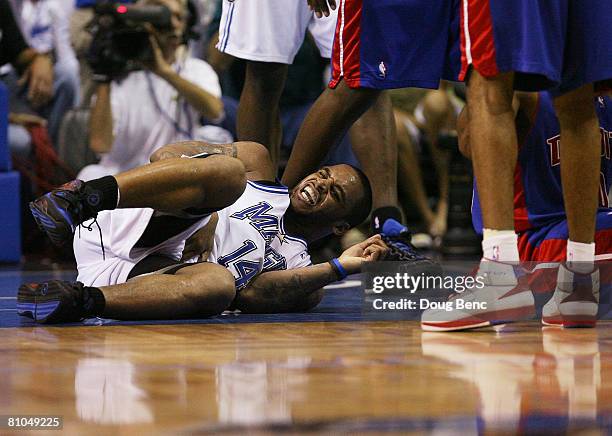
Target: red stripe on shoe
477, 38
346, 49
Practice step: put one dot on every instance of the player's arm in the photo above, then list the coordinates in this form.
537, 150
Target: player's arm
299, 290
254, 156
101, 120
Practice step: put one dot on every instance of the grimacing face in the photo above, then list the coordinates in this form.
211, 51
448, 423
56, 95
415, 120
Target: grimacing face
327, 194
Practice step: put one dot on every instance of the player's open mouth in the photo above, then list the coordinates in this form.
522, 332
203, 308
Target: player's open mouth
309, 195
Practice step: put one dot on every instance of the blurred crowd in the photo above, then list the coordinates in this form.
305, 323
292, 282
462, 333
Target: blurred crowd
75, 113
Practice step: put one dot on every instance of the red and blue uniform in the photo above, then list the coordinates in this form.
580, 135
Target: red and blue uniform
539, 214
549, 44
386, 44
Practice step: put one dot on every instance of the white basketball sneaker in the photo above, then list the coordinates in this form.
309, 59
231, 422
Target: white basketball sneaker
575, 300
502, 298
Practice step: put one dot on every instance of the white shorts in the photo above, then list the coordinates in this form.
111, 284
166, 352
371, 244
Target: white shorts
121, 229
272, 30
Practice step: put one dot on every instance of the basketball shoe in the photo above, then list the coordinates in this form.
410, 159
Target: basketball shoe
58, 213
399, 240
58, 301
503, 297
575, 301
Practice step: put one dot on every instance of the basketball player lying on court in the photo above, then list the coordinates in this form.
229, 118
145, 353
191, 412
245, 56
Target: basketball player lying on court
135, 267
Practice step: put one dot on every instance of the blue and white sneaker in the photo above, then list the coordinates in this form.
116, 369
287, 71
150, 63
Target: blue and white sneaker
55, 301
58, 213
399, 240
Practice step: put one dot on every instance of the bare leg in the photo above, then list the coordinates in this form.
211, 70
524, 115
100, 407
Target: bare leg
258, 112
373, 138
326, 123
409, 172
176, 184
201, 290
494, 146
580, 162
439, 114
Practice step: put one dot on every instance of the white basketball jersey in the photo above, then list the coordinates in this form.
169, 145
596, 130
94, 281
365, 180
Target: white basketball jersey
250, 236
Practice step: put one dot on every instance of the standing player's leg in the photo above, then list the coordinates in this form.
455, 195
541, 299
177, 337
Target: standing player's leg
374, 142
169, 185
372, 137
193, 291
580, 171
327, 121
587, 59
267, 34
499, 53
494, 154
258, 110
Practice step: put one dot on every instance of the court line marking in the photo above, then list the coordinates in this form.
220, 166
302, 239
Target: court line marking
8, 298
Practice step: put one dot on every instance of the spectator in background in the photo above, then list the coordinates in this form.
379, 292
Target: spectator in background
80, 39
134, 115
34, 69
425, 127
44, 24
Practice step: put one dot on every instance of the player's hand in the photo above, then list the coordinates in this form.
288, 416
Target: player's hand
320, 7
39, 78
201, 243
370, 250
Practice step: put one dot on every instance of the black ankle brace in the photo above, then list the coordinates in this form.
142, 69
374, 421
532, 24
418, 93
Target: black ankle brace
101, 194
93, 301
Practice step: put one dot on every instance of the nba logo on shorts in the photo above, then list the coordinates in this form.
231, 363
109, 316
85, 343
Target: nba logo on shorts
383, 70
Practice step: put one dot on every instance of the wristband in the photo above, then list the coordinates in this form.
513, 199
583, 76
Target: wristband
338, 268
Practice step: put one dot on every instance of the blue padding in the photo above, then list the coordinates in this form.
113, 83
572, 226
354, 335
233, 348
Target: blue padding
10, 225
5, 162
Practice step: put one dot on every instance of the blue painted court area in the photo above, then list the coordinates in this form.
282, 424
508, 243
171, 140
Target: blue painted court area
342, 303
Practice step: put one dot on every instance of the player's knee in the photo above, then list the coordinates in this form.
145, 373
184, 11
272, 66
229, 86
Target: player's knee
574, 108
492, 96
211, 292
232, 173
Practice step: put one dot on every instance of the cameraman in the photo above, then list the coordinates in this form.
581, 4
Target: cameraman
133, 116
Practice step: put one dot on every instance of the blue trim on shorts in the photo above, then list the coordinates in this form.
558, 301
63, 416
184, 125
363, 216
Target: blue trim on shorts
228, 26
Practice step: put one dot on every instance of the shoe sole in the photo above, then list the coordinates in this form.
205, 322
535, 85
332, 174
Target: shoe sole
47, 225
32, 304
485, 319
576, 315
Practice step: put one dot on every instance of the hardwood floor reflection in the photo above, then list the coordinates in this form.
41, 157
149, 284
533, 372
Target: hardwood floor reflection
351, 376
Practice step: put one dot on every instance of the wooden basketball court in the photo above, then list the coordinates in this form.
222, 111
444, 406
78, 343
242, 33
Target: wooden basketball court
348, 376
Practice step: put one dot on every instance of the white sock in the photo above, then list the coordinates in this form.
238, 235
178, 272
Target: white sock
500, 245
580, 256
